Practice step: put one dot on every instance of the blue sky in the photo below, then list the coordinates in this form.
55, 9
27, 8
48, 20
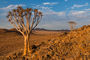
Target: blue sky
57, 13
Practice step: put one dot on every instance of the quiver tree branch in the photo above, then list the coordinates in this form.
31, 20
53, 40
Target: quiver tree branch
24, 20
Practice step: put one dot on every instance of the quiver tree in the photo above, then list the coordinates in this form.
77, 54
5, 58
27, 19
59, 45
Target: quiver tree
25, 20
72, 24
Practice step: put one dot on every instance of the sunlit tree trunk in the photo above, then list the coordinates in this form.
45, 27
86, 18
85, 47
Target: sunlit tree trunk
26, 45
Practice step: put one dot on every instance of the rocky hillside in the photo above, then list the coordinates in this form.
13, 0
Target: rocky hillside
75, 44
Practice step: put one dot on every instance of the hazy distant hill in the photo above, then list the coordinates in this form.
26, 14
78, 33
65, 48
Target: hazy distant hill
3, 30
38, 29
52, 30
12, 30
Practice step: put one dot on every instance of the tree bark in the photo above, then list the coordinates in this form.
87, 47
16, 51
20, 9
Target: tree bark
26, 46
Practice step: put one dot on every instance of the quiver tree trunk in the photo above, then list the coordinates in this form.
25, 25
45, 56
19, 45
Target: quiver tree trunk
26, 45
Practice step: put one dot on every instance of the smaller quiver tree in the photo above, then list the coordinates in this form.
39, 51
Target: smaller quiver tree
25, 20
72, 24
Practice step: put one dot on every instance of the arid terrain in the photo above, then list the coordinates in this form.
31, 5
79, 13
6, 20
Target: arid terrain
48, 45
11, 40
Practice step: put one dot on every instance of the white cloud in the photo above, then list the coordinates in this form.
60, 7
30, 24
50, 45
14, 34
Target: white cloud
78, 6
48, 3
88, 9
78, 12
5, 10
65, 0
61, 13
49, 11
11, 7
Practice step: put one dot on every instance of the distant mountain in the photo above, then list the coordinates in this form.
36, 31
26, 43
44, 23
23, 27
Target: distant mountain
3, 30
38, 29
51, 30
12, 30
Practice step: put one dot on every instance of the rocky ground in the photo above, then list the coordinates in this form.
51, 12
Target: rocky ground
74, 45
